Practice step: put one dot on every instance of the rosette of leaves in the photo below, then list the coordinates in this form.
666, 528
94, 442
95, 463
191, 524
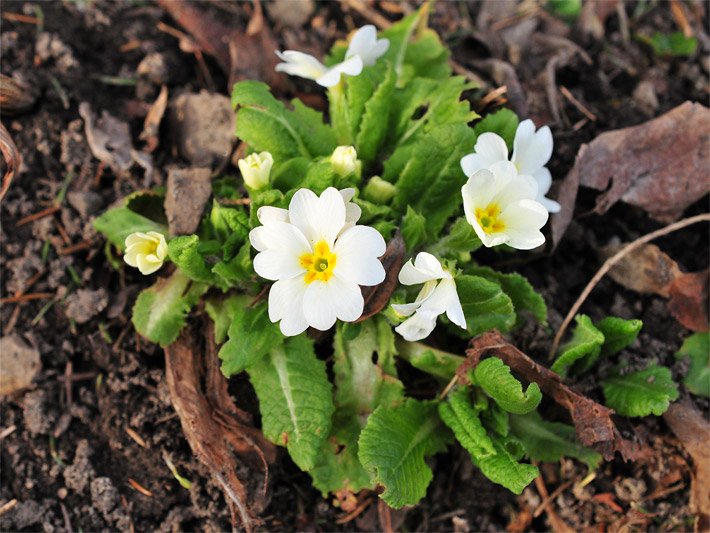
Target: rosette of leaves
357, 429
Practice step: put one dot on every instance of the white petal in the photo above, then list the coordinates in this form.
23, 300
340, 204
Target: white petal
318, 218
478, 191
365, 44
424, 294
544, 181
523, 220
146, 266
417, 327
275, 264
351, 67
531, 149
357, 251
286, 304
492, 147
472, 163
300, 64
346, 297
454, 311
516, 188
425, 268
406, 309
352, 210
318, 307
281, 245
267, 214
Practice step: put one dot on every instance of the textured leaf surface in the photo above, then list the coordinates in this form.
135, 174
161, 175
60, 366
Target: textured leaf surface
485, 305
618, 333
413, 229
494, 377
641, 393
251, 336
550, 441
697, 349
584, 347
159, 312
183, 251
295, 399
519, 290
438, 363
491, 454
222, 310
394, 444
461, 239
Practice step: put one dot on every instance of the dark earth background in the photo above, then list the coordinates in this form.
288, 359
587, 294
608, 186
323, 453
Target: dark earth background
97, 419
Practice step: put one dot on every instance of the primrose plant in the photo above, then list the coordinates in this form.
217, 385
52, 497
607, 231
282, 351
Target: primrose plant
365, 227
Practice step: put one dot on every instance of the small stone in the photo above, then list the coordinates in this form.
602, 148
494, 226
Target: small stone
86, 203
188, 190
646, 98
62, 493
155, 67
19, 364
203, 125
104, 495
84, 304
79, 473
290, 13
37, 414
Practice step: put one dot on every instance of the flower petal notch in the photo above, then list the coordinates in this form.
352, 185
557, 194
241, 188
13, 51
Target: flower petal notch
318, 258
531, 152
437, 296
146, 251
364, 51
500, 205
256, 169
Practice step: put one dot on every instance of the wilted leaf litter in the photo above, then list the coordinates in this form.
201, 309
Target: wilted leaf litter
98, 74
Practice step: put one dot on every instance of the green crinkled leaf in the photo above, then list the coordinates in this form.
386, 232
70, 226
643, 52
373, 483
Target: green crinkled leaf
439, 364
503, 467
427, 56
494, 377
497, 456
221, 310
266, 125
583, 348
503, 123
289, 174
393, 446
458, 413
184, 252
550, 441
118, 223
641, 393
238, 269
697, 349
461, 238
484, 304
519, 290
267, 197
618, 333
375, 120
295, 399
160, 311
365, 378
413, 229
431, 179
251, 336
228, 224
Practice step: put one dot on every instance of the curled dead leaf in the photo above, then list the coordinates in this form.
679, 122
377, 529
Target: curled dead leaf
592, 421
151, 126
689, 300
646, 269
13, 160
16, 95
376, 297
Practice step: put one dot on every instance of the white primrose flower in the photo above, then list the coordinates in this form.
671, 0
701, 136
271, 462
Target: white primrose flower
364, 50
438, 295
500, 205
146, 251
531, 152
256, 168
366, 45
317, 260
345, 161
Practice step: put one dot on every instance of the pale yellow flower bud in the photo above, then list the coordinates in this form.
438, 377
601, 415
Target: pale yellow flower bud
345, 161
255, 169
146, 251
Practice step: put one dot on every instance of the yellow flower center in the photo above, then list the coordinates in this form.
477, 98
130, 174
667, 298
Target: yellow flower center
489, 220
319, 265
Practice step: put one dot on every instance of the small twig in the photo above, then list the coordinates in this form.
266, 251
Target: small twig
364, 9
352, 515
384, 513
26, 297
449, 386
611, 262
36, 216
8, 506
576, 103
541, 508
67, 520
140, 488
17, 17
680, 18
68, 250
491, 97
7, 431
136, 437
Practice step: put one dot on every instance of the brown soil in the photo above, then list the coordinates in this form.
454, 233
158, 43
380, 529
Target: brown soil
72, 462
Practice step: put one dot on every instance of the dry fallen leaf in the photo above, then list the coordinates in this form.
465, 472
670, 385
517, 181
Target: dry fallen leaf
13, 160
151, 126
689, 300
376, 297
19, 364
693, 431
646, 269
660, 166
109, 139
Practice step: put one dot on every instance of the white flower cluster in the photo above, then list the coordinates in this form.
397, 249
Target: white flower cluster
319, 257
